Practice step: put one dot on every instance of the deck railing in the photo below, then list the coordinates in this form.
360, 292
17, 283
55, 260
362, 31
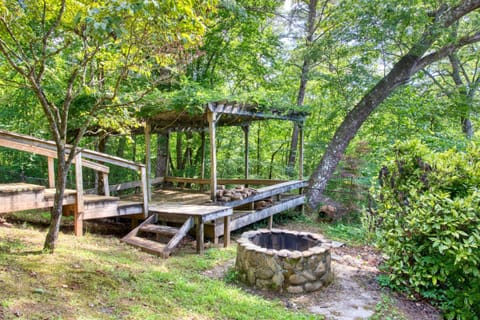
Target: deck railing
84, 158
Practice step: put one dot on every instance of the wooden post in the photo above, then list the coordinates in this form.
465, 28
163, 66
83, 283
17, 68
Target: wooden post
213, 155
51, 173
106, 187
78, 220
270, 222
246, 130
226, 231
143, 173
167, 156
199, 234
300, 152
202, 175
148, 162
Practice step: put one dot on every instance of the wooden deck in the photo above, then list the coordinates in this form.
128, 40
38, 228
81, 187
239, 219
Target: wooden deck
23, 196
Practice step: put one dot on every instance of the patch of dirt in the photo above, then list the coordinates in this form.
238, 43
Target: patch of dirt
354, 293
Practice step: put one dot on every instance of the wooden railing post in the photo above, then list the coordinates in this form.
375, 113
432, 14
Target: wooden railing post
143, 173
51, 172
78, 223
213, 155
106, 187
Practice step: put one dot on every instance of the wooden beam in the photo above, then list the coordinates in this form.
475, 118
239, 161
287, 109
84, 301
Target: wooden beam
48, 153
202, 174
106, 187
300, 152
211, 116
78, 221
267, 192
48, 148
148, 162
143, 174
199, 234
51, 172
226, 231
246, 130
266, 182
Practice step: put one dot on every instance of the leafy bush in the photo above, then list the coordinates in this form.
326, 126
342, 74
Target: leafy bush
428, 224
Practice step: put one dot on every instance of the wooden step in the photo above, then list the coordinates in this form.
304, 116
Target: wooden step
159, 229
129, 208
146, 245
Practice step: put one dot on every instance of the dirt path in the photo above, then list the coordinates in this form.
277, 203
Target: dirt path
354, 293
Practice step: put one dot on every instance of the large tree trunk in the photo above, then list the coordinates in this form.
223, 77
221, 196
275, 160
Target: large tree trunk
401, 72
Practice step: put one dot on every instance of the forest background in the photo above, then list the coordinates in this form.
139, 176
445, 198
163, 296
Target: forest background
306, 56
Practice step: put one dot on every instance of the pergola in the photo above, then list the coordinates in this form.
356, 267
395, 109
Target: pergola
216, 114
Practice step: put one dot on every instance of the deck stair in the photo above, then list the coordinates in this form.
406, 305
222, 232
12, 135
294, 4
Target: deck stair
158, 239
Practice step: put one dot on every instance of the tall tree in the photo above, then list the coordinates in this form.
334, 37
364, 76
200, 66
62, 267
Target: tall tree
104, 53
315, 13
433, 44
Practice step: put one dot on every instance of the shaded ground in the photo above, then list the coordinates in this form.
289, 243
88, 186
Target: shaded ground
354, 293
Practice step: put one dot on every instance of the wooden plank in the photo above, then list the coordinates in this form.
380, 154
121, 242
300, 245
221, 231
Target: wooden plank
159, 229
134, 232
211, 116
146, 245
47, 153
148, 162
143, 172
182, 232
205, 212
51, 172
129, 208
78, 220
32, 143
224, 181
245, 220
267, 192
246, 130
106, 187
199, 235
226, 231
300, 153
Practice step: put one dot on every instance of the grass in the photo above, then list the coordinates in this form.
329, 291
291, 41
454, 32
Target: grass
97, 277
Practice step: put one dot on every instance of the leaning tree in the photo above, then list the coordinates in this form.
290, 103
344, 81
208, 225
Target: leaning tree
432, 44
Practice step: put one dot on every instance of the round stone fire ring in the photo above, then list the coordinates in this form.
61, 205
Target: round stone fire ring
284, 260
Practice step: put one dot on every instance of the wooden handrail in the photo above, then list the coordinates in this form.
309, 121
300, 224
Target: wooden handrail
36, 145
49, 149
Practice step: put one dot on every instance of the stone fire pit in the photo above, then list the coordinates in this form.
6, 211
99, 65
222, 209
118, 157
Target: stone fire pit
283, 260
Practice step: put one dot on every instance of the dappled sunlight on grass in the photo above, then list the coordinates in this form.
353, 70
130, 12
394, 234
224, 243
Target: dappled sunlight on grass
97, 277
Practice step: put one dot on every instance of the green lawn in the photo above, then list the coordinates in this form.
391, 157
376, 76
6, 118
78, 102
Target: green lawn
97, 277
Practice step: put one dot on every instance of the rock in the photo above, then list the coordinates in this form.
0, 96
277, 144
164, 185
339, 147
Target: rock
308, 275
295, 289
320, 269
297, 279
278, 279
312, 286
264, 273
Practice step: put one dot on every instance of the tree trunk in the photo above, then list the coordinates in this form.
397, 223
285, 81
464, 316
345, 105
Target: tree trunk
122, 142
401, 72
162, 152
102, 146
312, 15
56, 213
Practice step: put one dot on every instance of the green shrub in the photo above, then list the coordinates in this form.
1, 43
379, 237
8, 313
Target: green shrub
428, 224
